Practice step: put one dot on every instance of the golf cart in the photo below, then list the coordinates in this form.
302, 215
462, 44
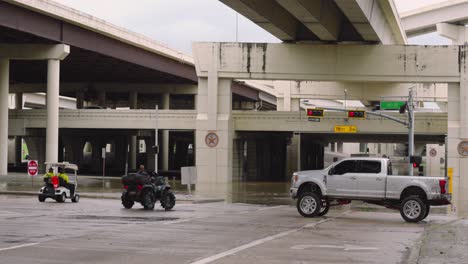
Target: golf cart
56, 188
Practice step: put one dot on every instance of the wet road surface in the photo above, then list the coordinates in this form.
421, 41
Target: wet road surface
101, 231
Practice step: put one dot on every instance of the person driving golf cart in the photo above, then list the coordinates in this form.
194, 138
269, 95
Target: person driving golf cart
49, 174
59, 186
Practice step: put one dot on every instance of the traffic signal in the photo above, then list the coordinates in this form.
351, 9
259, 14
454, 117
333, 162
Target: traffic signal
416, 161
358, 114
315, 113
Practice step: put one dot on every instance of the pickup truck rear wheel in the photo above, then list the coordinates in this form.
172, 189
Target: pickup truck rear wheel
428, 208
309, 204
413, 209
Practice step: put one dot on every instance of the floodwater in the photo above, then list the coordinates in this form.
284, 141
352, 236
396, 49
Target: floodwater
268, 193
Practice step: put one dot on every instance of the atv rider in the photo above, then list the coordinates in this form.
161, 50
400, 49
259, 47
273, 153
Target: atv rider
63, 176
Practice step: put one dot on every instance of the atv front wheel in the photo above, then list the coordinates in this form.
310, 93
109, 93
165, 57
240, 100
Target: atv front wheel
168, 201
148, 201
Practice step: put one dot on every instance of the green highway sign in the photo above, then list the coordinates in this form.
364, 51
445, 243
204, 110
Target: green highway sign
391, 105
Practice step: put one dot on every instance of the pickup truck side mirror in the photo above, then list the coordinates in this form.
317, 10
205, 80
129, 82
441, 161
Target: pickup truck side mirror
331, 171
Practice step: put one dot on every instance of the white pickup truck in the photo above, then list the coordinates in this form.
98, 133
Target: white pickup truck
370, 180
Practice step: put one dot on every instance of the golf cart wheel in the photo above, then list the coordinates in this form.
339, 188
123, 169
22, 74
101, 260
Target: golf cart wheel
61, 198
309, 204
168, 201
75, 198
148, 201
127, 203
41, 198
325, 207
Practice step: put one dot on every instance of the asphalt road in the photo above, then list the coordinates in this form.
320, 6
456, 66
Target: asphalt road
101, 231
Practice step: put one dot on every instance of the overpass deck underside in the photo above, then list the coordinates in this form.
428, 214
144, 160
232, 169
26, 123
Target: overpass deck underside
430, 124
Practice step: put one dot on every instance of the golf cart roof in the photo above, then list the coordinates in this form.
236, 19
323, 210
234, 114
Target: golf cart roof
65, 165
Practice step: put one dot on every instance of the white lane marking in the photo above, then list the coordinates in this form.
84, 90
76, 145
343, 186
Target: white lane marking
19, 246
345, 247
177, 221
270, 207
259, 242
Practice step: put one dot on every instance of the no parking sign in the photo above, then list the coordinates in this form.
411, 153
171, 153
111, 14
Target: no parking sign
33, 168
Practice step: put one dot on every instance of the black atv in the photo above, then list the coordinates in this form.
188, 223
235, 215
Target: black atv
147, 189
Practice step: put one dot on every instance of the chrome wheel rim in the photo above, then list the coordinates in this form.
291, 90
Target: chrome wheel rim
412, 209
308, 204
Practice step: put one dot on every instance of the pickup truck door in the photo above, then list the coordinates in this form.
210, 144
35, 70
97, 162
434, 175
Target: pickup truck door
342, 179
371, 179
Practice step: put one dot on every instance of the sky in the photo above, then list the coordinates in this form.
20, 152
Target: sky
178, 23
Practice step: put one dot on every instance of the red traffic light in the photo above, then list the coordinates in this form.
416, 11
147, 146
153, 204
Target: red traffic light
315, 112
415, 165
357, 114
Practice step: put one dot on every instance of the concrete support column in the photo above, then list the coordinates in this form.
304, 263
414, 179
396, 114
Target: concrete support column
19, 101
102, 98
285, 99
214, 135
165, 150
165, 102
165, 135
133, 100
339, 147
453, 140
133, 152
79, 100
457, 122
52, 128
4, 89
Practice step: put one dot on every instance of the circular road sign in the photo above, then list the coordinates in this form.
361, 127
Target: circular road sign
463, 148
33, 168
211, 139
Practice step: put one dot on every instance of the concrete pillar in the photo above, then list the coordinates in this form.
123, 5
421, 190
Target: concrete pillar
133, 153
339, 147
102, 98
285, 99
4, 89
457, 122
214, 135
165, 150
52, 128
165, 135
133, 100
453, 162
292, 155
165, 102
19, 101
79, 100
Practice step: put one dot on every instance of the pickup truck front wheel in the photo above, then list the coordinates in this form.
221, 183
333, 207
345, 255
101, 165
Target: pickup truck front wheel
413, 209
309, 204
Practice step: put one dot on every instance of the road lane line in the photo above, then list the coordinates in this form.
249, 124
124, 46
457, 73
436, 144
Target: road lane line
178, 221
19, 246
260, 241
270, 207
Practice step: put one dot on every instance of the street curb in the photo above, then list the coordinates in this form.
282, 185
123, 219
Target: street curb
97, 196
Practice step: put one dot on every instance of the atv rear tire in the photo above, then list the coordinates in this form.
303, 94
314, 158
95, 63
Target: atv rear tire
127, 203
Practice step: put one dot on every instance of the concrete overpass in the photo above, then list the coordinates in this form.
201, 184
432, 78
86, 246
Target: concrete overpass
22, 120
424, 20
325, 21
